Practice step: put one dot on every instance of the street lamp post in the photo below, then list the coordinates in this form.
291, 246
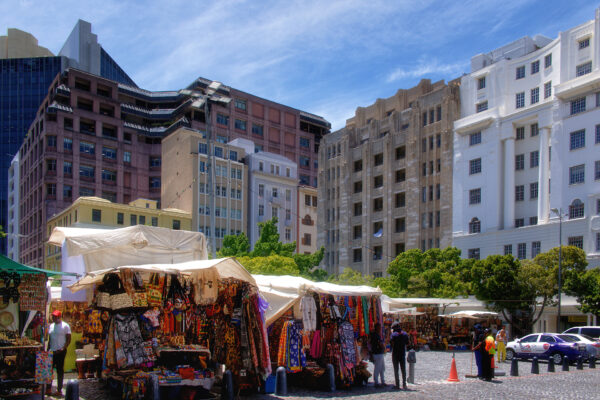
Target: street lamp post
558, 211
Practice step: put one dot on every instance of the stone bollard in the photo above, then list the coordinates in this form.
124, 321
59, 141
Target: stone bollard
550, 364
565, 365
412, 360
514, 367
592, 362
535, 366
72, 392
330, 378
281, 388
579, 362
227, 389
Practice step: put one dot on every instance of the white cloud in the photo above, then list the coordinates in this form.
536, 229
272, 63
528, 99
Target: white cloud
427, 67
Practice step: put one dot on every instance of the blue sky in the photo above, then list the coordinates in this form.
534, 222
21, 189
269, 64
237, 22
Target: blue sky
324, 57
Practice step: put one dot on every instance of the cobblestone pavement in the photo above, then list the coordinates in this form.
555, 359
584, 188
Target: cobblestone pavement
431, 373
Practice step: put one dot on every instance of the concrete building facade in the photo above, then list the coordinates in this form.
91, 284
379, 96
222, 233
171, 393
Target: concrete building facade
186, 183
306, 220
526, 147
385, 183
98, 213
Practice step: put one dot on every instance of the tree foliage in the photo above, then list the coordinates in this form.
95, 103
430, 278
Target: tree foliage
235, 246
352, 278
270, 265
268, 242
308, 264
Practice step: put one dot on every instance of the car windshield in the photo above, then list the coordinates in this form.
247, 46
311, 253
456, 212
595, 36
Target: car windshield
569, 338
588, 337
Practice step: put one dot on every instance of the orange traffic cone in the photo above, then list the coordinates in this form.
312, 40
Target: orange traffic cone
453, 374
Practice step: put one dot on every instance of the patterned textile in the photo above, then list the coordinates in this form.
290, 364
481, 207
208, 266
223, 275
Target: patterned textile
43, 367
127, 332
315, 348
347, 343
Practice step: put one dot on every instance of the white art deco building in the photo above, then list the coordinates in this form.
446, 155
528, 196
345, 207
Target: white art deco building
527, 146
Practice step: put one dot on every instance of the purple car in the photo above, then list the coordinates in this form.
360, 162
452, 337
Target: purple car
546, 345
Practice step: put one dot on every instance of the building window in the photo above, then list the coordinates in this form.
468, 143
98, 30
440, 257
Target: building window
597, 134
378, 204
357, 255
87, 171
261, 210
534, 159
109, 176
400, 175
548, 60
378, 159
535, 67
547, 89
438, 191
357, 209
400, 199
400, 225
424, 169
508, 249
400, 152
533, 220
96, 215
378, 181
475, 166
438, 112
481, 83
68, 145
522, 251
598, 241
578, 105
519, 222
425, 118
533, 190
474, 254
475, 196
222, 119
357, 165
127, 157
576, 209
274, 193
257, 129
597, 170
519, 162
357, 230
534, 129
67, 191
377, 252
520, 133
154, 161
176, 224
474, 138
480, 107
475, 225
120, 218
576, 241
520, 100
535, 95
240, 104
577, 174
304, 161
577, 139
240, 124
304, 142
584, 69
87, 148
154, 221
583, 43
519, 192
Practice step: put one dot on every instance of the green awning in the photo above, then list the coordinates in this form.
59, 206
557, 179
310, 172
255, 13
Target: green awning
6, 264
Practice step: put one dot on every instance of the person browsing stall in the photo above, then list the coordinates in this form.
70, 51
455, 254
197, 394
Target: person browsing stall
378, 353
501, 341
59, 335
399, 341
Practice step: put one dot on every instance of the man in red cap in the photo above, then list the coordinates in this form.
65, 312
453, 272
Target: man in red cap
60, 336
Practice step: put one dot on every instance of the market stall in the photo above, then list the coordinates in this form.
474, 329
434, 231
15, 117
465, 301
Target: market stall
181, 323
23, 303
312, 324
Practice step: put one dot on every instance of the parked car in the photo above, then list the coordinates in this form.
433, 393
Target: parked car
592, 331
592, 346
546, 345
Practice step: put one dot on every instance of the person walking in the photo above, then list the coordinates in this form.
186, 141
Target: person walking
501, 341
60, 336
399, 341
478, 339
489, 349
378, 353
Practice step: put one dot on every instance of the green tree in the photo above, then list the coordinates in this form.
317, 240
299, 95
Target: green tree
268, 242
2, 234
352, 278
573, 265
308, 265
587, 290
270, 265
235, 246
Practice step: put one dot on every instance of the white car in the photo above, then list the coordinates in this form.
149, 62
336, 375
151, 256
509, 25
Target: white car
592, 346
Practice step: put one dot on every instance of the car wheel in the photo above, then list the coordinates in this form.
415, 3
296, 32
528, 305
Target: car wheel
557, 358
510, 354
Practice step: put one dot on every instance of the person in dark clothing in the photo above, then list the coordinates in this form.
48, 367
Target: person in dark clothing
486, 360
378, 353
477, 343
399, 341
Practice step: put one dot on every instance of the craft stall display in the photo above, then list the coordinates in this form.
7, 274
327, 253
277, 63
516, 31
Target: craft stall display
180, 327
22, 303
326, 325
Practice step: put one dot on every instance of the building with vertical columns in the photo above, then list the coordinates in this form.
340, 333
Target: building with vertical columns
526, 146
385, 179
306, 220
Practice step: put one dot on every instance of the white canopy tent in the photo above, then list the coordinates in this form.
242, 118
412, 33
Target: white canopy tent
224, 267
85, 250
284, 292
472, 314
